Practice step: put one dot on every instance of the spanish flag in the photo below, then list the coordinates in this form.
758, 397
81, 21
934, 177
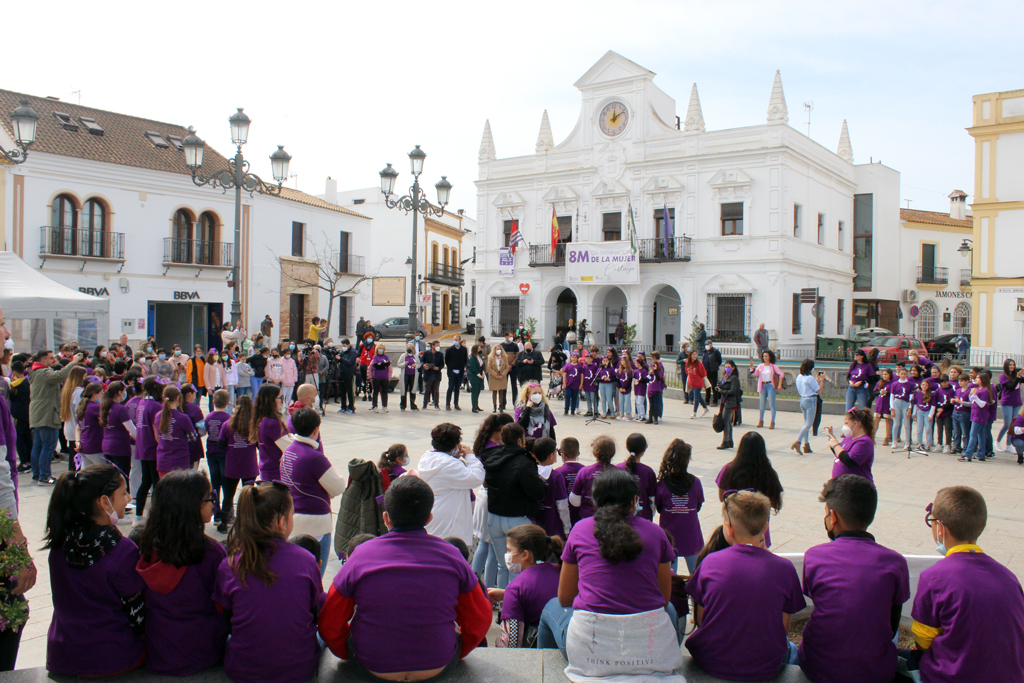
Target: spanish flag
555, 234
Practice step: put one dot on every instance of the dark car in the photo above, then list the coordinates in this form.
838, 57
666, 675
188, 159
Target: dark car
945, 345
394, 328
896, 348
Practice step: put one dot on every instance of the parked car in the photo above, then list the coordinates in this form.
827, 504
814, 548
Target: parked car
945, 344
895, 348
869, 333
394, 328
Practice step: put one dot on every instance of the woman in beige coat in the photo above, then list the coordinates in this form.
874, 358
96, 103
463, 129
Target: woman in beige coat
497, 367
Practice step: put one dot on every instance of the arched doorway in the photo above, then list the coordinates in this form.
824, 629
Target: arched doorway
925, 328
614, 309
666, 319
962, 318
565, 311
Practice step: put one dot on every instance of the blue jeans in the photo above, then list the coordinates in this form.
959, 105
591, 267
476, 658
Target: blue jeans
1009, 412
485, 563
641, 407
809, 407
572, 399
1018, 445
325, 552
697, 397
44, 442
766, 395
242, 390
254, 385
554, 624
924, 435
961, 429
899, 414
625, 402
591, 401
656, 403
607, 391
497, 528
858, 396
979, 441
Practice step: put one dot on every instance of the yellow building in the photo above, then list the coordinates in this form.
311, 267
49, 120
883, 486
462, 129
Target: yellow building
997, 282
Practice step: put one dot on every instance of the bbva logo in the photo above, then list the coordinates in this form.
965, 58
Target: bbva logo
102, 291
185, 296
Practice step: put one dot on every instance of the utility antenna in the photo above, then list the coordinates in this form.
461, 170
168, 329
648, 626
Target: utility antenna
908, 202
296, 176
808, 107
77, 92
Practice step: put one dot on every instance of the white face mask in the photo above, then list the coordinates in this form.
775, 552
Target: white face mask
114, 517
536, 398
847, 432
514, 568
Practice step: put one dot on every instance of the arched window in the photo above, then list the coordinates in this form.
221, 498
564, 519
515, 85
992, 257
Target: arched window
206, 235
94, 225
63, 222
962, 318
446, 258
926, 321
181, 242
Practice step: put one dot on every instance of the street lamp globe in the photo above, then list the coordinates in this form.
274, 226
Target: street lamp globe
24, 119
279, 164
239, 127
193, 150
444, 191
965, 249
387, 180
416, 157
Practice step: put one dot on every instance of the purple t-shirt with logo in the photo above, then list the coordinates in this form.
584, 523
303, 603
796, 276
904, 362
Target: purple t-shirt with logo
380, 366
978, 604
528, 593
1008, 397
903, 391
270, 455
145, 438
678, 516
854, 583
603, 585
861, 451
117, 441
301, 469
240, 455
410, 364
744, 591
547, 510
92, 434
647, 480
980, 413
625, 378
172, 447
656, 378
859, 372
569, 470
282, 614
590, 377
214, 422
195, 448
606, 376
640, 386
964, 394
584, 484
882, 402
410, 581
573, 375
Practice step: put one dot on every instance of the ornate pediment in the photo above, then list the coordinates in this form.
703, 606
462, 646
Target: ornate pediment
729, 283
731, 184
509, 199
563, 198
663, 189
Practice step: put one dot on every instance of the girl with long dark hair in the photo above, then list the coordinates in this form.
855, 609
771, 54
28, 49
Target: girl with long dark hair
751, 469
535, 561
679, 499
146, 412
269, 431
118, 428
174, 434
89, 433
646, 479
239, 455
603, 450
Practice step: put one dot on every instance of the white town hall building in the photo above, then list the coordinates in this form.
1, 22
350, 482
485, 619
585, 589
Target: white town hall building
758, 213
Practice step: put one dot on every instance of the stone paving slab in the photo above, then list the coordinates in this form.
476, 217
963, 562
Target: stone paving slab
905, 485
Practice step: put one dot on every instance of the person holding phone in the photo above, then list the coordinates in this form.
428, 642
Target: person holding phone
808, 386
856, 452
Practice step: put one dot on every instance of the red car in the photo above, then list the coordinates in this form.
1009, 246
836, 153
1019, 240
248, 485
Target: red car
894, 349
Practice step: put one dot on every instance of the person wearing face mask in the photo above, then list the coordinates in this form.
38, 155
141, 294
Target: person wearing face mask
195, 372
291, 374
856, 452
511, 349
348, 359
452, 472
408, 364
856, 585
392, 463
456, 358
214, 376
732, 395
433, 363
534, 560
179, 360
162, 367
533, 413
712, 360
969, 609
497, 367
530, 364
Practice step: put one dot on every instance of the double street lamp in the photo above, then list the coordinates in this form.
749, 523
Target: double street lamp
417, 204
236, 176
24, 120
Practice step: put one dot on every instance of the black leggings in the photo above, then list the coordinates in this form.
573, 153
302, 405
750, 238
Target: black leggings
380, 388
149, 479
123, 463
227, 505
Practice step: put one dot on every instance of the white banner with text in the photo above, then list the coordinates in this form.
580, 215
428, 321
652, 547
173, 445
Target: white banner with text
601, 263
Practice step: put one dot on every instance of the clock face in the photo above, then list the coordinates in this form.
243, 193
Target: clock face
613, 119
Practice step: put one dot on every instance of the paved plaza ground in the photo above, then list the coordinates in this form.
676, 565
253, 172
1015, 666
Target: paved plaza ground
905, 485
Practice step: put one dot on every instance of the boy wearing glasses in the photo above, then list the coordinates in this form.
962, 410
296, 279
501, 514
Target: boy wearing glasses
744, 596
969, 609
857, 587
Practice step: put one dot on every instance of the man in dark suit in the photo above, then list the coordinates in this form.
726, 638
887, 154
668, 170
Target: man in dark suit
530, 364
712, 360
455, 360
433, 362
511, 349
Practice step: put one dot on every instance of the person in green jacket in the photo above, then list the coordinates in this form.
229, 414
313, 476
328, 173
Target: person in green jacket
475, 374
44, 411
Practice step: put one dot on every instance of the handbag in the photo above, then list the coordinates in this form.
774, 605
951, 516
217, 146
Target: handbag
718, 422
707, 382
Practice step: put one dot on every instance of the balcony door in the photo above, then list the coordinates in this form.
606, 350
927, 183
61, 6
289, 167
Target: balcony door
184, 224
94, 225
64, 221
928, 263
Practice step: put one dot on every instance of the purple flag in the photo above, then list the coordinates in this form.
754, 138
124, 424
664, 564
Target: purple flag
667, 233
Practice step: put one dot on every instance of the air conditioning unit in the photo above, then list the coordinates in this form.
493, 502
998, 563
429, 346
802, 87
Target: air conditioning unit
909, 296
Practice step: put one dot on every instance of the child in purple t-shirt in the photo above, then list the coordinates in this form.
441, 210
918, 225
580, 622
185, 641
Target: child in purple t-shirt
655, 389
744, 596
174, 434
857, 586
569, 451
589, 385
679, 498
572, 379
553, 509
969, 609
239, 456
645, 477
215, 455
603, 450
534, 559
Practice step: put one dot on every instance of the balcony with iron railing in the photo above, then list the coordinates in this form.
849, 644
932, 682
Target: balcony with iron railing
660, 250
965, 277
932, 275
444, 274
182, 252
55, 241
351, 264
540, 255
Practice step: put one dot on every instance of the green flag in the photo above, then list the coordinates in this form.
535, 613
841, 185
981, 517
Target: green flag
632, 229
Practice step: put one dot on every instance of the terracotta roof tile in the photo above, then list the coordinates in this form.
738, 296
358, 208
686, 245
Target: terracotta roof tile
303, 198
934, 218
123, 140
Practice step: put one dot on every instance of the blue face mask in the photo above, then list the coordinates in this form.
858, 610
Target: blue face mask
163, 356
291, 346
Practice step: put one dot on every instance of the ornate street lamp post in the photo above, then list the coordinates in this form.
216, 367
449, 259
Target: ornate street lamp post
24, 119
417, 204
236, 176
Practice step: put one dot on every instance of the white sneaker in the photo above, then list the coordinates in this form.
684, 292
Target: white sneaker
376, 410
998, 448
704, 413
945, 449
693, 416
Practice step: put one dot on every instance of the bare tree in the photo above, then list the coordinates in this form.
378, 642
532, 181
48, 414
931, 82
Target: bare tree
326, 275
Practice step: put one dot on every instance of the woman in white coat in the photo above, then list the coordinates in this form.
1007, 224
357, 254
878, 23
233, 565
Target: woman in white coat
452, 472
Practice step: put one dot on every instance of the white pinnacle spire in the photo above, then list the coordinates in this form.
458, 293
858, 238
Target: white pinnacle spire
545, 140
845, 150
694, 116
487, 144
777, 111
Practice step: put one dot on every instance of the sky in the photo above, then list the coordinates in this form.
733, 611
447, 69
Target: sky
349, 86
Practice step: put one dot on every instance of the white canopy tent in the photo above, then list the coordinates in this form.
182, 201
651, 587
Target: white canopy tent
43, 314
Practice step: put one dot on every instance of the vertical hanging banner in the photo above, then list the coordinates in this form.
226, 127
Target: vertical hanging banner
601, 263
506, 263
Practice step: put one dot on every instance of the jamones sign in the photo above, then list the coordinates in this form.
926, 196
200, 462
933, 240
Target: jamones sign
601, 263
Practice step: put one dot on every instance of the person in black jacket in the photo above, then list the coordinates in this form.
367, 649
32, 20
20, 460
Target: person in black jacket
433, 363
511, 349
732, 396
530, 364
455, 360
712, 359
556, 359
348, 359
514, 491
